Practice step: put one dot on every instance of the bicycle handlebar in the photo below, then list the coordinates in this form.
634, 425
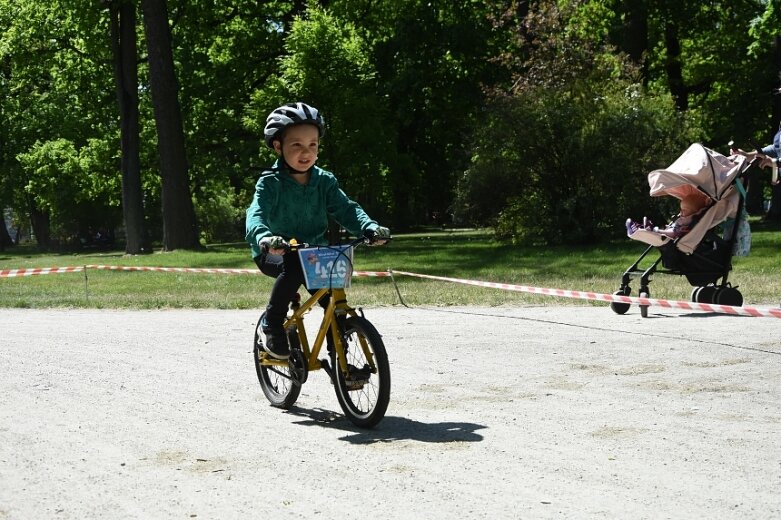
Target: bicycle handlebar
294, 245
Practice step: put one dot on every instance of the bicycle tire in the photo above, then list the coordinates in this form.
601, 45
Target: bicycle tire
364, 406
275, 381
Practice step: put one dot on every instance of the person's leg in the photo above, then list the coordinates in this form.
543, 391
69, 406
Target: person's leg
270, 265
289, 277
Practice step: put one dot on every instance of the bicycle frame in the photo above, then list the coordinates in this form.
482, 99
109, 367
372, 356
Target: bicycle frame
357, 361
337, 307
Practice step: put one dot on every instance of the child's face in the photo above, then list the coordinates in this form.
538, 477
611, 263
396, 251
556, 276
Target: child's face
299, 147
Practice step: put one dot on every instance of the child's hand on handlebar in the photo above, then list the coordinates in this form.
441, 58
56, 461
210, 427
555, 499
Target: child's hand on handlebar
274, 245
379, 236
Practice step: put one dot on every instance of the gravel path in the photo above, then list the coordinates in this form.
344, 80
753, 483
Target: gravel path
512, 412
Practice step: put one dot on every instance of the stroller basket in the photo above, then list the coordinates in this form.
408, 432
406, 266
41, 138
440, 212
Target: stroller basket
705, 265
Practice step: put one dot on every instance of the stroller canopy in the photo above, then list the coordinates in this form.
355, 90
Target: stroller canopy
704, 172
699, 170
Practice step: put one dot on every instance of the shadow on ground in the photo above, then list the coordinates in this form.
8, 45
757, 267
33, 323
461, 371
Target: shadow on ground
391, 428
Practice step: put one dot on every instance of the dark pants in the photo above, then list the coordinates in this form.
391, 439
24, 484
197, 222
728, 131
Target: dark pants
286, 269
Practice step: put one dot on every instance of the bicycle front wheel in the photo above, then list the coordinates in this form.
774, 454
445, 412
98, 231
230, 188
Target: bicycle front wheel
275, 380
364, 391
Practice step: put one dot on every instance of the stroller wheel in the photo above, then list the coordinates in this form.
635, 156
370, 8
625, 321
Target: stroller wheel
706, 294
619, 307
644, 293
728, 296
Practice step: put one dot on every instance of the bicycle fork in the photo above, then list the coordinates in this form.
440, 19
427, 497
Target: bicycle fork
353, 377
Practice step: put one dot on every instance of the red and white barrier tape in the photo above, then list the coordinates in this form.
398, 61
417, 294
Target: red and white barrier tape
202, 270
13, 273
378, 274
207, 270
584, 295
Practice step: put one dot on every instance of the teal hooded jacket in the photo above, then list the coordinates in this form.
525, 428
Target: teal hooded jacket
283, 207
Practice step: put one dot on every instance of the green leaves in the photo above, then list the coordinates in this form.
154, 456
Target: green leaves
764, 28
68, 183
415, 93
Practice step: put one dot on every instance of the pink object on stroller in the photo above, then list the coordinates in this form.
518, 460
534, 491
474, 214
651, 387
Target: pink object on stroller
699, 254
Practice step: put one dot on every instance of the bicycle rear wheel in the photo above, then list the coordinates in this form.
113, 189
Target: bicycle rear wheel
275, 380
363, 392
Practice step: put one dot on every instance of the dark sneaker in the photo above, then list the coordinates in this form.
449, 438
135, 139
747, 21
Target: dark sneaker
276, 345
357, 377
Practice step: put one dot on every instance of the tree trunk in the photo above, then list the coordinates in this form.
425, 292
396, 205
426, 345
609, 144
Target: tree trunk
673, 66
5, 236
179, 225
522, 8
41, 225
124, 49
634, 33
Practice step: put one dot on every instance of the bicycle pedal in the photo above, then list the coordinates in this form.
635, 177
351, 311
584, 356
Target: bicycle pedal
357, 377
359, 374
354, 385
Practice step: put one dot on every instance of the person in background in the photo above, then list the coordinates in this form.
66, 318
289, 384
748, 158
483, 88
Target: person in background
769, 156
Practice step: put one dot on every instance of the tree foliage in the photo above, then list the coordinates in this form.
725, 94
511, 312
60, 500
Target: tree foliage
565, 151
48, 63
72, 186
539, 117
326, 64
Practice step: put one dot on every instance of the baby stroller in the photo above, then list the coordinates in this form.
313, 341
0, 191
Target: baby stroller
702, 255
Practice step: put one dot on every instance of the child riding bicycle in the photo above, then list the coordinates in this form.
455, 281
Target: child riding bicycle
294, 200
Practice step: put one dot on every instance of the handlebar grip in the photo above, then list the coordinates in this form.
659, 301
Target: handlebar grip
286, 246
370, 237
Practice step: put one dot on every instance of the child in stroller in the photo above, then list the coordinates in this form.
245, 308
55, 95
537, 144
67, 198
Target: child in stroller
693, 205
708, 186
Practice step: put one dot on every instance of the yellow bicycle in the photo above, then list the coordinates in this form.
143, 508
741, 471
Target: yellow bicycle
356, 362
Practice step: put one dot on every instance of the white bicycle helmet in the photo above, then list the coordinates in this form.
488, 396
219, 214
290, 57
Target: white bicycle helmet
288, 115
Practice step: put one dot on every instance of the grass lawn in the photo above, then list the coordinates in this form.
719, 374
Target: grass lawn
469, 254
